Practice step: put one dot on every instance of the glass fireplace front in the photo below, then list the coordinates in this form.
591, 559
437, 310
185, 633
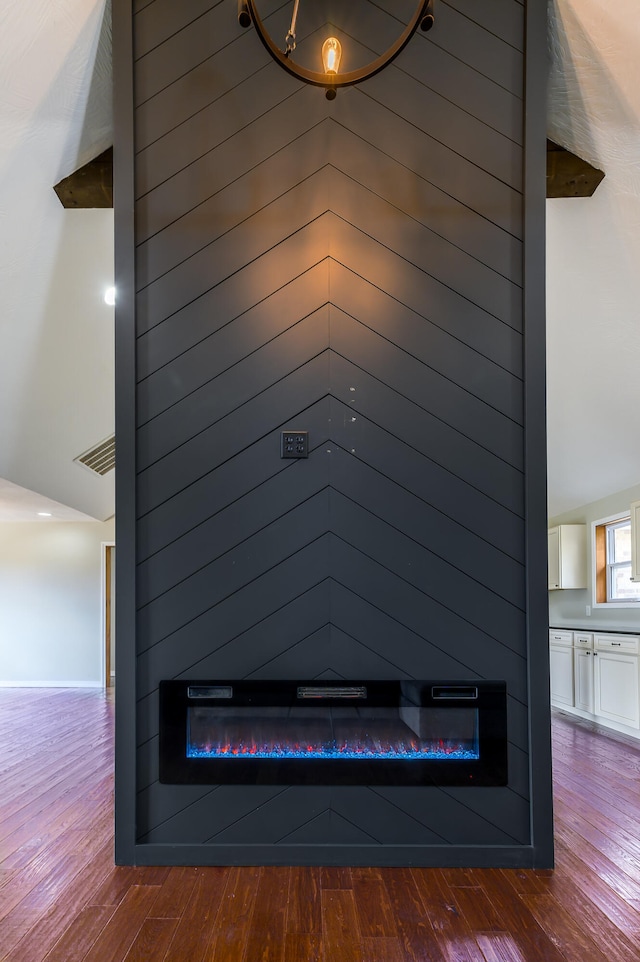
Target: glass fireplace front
365, 732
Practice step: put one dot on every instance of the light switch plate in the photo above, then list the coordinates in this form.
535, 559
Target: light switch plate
294, 444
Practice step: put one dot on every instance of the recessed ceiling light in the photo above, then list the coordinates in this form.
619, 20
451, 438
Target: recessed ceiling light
110, 296
44, 514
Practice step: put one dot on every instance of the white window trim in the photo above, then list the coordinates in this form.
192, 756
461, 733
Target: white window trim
611, 605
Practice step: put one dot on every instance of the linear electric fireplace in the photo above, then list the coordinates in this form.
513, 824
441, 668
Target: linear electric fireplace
364, 732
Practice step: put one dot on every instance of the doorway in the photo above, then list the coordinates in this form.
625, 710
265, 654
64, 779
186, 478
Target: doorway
108, 613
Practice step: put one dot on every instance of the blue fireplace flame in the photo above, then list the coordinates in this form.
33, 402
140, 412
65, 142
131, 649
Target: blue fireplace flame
437, 751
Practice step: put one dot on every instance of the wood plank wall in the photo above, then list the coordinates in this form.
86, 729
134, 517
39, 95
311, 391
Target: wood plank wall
354, 269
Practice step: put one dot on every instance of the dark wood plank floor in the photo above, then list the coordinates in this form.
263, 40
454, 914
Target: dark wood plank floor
62, 899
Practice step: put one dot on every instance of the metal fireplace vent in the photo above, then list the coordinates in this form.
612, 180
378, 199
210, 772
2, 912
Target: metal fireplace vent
101, 458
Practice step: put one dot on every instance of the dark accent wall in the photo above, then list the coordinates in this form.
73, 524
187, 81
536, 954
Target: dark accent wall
368, 270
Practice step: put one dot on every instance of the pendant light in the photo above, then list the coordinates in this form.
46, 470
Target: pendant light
330, 77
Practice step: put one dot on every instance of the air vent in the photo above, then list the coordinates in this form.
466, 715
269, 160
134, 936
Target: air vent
101, 458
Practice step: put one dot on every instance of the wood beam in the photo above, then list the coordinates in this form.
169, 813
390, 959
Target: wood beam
569, 175
92, 185
89, 186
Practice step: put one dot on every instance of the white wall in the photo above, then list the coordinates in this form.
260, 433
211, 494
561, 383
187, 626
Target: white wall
57, 367
593, 252
56, 332
50, 603
568, 607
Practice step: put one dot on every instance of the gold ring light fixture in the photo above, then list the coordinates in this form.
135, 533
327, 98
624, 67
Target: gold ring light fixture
330, 77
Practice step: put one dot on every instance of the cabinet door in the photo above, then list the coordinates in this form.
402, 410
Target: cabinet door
567, 556
583, 679
635, 541
553, 549
616, 694
561, 670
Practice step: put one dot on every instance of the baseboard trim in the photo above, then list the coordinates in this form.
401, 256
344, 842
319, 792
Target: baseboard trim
50, 684
427, 856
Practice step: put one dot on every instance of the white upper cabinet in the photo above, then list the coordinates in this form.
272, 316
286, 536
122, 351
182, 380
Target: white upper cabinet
635, 541
568, 556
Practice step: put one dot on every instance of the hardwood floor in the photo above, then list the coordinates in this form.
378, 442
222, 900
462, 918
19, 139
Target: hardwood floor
62, 899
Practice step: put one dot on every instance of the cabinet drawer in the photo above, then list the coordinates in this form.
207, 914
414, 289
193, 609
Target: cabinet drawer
621, 643
583, 639
559, 637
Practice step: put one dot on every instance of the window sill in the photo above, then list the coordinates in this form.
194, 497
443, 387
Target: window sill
614, 605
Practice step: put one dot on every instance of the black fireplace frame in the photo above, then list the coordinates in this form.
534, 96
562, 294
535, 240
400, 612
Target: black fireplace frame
488, 697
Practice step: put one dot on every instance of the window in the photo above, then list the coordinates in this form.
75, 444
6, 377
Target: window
613, 563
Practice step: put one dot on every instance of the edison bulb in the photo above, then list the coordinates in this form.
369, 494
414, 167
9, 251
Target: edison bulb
331, 54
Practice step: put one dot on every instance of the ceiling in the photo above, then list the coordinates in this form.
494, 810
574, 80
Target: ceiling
56, 366
56, 363
19, 504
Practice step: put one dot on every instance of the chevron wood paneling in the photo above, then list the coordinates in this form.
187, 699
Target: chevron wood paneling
353, 269
272, 815
232, 479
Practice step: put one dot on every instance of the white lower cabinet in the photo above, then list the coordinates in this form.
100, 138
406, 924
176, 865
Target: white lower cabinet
598, 674
615, 679
561, 667
583, 670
